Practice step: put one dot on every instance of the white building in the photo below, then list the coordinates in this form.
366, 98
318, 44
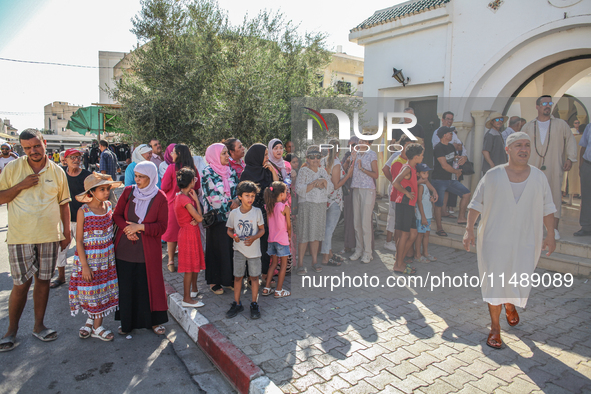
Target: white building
475, 57
107, 62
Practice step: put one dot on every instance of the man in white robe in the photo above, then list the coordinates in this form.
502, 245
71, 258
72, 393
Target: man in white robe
514, 200
550, 139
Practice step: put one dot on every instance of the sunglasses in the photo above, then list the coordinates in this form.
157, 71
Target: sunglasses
549, 103
497, 119
315, 157
4, 149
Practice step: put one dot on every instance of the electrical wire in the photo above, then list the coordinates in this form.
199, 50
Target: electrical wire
50, 64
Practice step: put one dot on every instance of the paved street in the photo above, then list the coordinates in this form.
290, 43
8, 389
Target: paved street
146, 363
360, 340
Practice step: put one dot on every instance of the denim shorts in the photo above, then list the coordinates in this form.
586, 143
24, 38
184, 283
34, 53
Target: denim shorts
443, 186
423, 229
276, 249
240, 261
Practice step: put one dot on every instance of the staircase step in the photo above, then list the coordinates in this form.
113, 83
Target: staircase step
557, 262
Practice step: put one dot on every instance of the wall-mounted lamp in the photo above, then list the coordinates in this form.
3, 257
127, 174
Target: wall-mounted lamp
399, 77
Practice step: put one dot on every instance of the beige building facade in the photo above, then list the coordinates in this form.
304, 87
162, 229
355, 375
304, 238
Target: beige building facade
57, 115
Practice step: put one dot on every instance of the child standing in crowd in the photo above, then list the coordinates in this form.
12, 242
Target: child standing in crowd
405, 221
188, 214
424, 213
278, 216
93, 285
245, 226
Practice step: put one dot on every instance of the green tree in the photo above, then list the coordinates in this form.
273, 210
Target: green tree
196, 79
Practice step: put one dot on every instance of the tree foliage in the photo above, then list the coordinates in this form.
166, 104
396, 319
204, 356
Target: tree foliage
197, 79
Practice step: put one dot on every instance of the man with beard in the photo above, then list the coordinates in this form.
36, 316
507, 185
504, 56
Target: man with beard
514, 200
551, 138
38, 193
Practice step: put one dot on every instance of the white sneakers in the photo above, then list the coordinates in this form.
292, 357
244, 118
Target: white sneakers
391, 246
367, 257
556, 235
356, 255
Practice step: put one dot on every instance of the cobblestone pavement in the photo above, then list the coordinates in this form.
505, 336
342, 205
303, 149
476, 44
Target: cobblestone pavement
367, 340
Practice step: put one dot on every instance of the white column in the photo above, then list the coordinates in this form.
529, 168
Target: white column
479, 129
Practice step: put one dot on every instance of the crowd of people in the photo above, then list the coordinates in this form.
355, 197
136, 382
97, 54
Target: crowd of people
238, 212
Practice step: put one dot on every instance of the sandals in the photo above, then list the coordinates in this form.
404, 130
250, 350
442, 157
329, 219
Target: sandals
430, 258
315, 268
120, 331
338, 258
9, 340
216, 289
267, 291
441, 233
45, 335
301, 271
171, 267
86, 330
56, 283
159, 330
332, 263
102, 333
282, 293
512, 317
408, 270
494, 340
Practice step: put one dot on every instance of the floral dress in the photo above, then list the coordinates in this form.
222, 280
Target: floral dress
101, 296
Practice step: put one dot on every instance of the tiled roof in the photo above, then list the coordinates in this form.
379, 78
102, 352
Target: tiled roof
400, 11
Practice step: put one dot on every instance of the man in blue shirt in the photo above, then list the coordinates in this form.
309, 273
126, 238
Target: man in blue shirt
585, 174
108, 161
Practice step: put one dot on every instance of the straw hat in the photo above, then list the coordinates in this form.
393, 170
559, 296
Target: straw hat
495, 115
95, 180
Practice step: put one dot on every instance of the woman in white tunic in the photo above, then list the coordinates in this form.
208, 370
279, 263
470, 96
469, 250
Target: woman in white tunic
514, 200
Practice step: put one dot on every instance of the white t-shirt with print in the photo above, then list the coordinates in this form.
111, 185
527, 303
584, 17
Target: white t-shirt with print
246, 225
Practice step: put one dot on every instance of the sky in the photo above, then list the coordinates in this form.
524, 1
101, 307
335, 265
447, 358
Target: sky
74, 31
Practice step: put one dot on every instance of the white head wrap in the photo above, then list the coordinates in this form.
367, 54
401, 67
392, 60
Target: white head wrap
520, 135
143, 196
136, 156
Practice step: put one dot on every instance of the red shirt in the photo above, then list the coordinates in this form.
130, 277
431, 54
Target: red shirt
238, 166
395, 170
408, 183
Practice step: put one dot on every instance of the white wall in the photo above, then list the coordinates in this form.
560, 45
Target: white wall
107, 60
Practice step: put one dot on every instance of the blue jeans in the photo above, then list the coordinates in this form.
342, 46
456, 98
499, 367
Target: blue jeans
332, 219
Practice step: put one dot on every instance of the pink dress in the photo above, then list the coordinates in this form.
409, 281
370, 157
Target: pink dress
171, 189
191, 258
278, 225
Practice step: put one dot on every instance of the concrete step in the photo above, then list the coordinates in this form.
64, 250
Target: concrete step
558, 262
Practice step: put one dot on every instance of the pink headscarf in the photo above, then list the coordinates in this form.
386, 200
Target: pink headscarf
167, 156
212, 156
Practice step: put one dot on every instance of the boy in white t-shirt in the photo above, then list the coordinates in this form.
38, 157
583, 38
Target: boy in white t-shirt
245, 226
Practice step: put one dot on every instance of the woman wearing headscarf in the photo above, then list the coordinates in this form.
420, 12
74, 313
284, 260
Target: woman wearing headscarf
181, 157
141, 153
260, 171
141, 216
167, 160
219, 194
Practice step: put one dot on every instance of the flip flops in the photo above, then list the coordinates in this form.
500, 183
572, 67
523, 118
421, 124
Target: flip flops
56, 283
45, 335
332, 263
408, 270
441, 233
9, 340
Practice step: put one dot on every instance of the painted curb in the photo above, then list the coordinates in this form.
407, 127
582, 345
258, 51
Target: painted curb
238, 368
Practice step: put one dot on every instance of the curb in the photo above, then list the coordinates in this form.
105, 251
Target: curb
238, 368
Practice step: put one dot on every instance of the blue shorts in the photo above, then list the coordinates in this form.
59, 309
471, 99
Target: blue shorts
442, 186
423, 229
276, 249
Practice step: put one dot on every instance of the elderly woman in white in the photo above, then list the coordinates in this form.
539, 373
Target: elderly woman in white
313, 187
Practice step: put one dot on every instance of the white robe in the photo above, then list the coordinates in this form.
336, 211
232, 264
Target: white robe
510, 234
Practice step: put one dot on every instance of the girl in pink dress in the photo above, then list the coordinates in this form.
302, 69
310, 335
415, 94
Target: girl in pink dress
181, 156
188, 214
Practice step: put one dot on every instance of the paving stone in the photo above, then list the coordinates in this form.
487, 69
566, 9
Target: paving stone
361, 388
403, 370
477, 368
450, 365
303, 367
572, 381
382, 380
423, 360
307, 380
520, 386
439, 387
459, 379
430, 374
488, 383
409, 385
353, 361
506, 373
356, 375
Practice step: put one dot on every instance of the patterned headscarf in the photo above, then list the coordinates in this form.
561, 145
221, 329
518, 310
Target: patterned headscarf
212, 156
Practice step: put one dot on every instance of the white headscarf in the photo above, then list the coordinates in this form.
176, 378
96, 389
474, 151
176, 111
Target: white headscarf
144, 196
279, 163
136, 156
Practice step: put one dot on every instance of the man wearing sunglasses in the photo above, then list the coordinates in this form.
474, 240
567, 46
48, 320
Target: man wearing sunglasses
493, 148
551, 137
6, 156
